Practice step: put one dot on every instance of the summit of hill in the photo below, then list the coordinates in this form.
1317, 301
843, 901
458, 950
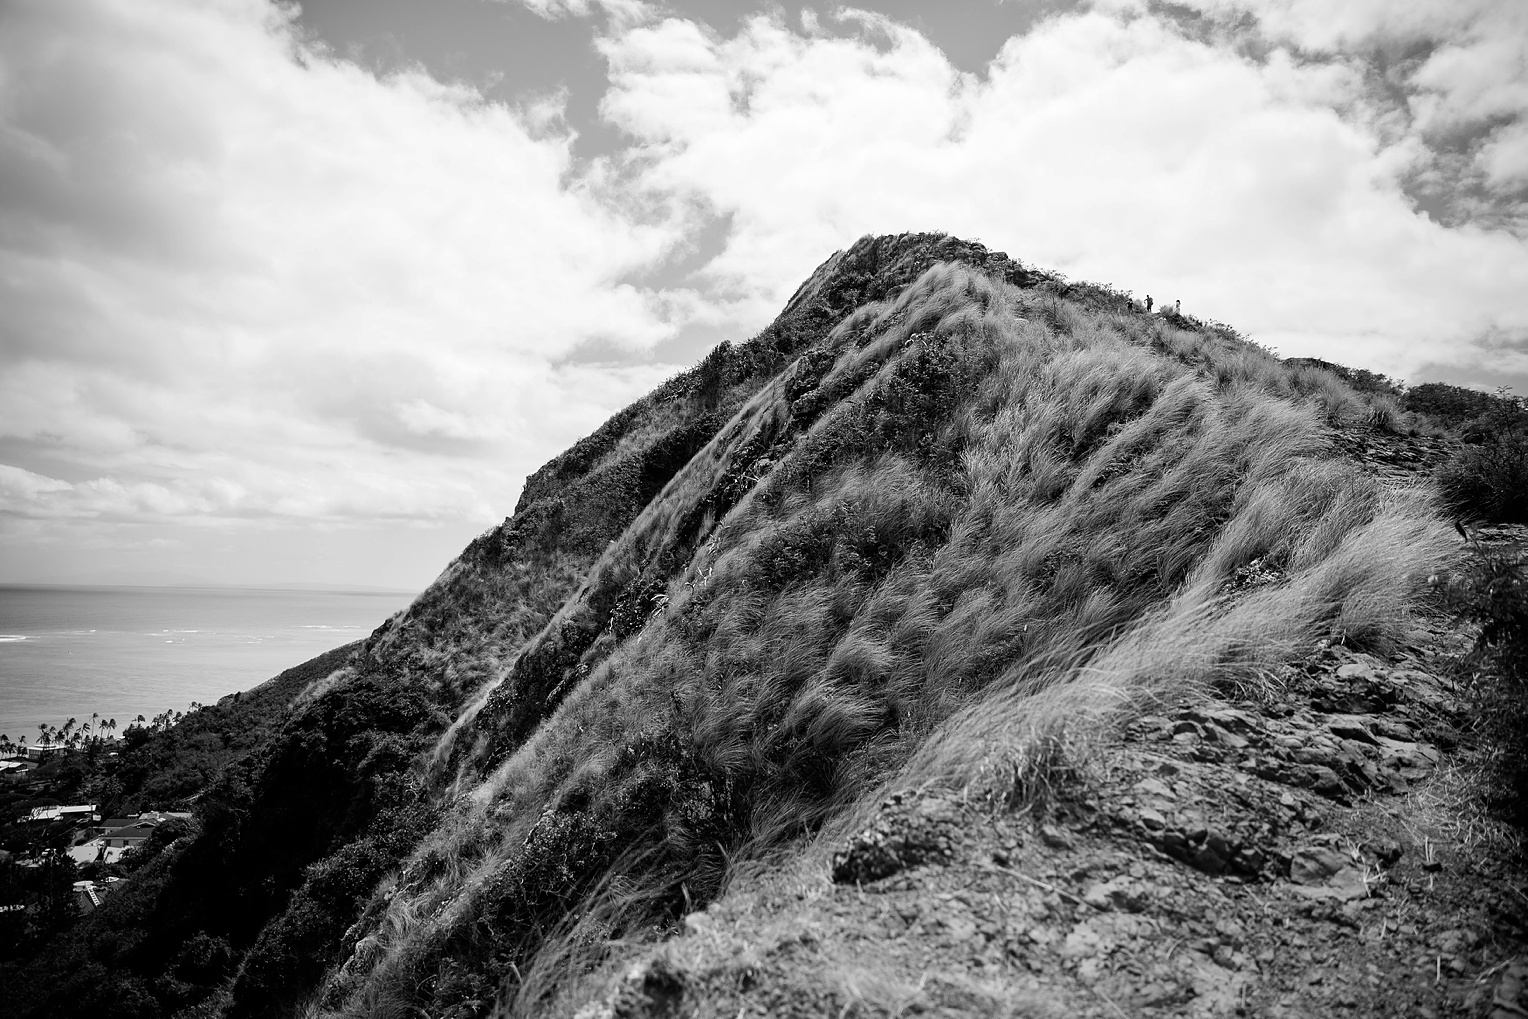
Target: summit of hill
969, 642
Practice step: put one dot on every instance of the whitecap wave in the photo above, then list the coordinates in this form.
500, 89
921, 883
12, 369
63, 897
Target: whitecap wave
12, 638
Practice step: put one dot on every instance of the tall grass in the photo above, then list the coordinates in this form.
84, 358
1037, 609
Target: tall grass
979, 524
1042, 715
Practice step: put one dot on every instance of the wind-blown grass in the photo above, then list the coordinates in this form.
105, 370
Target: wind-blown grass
979, 523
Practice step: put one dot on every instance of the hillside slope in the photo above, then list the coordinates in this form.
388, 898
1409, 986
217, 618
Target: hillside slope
975, 522
950, 524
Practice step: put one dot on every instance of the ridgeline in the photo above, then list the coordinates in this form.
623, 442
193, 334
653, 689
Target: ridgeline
969, 642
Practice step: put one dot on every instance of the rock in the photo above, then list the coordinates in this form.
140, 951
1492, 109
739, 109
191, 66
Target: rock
1213, 856
1154, 787
1392, 730
1055, 837
1119, 894
1454, 942
1352, 727
1326, 782
961, 928
1320, 872
1152, 819
1386, 852
1315, 865
1226, 738
1511, 992
904, 836
1081, 942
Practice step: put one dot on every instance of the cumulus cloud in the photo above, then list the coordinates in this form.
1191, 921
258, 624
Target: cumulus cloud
251, 285
244, 278
1110, 144
1459, 67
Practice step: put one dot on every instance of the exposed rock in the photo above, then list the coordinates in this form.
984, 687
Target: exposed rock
908, 833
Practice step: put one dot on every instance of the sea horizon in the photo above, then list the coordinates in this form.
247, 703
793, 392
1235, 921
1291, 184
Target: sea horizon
124, 650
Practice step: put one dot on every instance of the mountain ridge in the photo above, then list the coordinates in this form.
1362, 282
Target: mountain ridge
950, 523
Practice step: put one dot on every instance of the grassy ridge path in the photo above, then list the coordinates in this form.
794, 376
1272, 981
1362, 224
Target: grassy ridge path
1309, 845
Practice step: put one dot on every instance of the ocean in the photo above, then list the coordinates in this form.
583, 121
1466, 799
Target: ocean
121, 652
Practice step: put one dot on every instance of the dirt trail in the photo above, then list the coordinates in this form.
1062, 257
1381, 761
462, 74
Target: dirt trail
1313, 850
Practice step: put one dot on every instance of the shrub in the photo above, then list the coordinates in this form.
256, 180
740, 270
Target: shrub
1494, 595
1488, 480
1385, 413
1451, 405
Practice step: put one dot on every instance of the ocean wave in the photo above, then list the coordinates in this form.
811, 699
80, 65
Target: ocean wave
12, 638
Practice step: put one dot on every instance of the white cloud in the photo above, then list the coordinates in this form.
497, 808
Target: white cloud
244, 279
625, 11
1112, 147
249, 285
1473, 78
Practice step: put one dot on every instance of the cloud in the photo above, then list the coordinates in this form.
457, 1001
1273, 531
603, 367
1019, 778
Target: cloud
251, 286
1471, 80
622, 11
246, 279
1114, 146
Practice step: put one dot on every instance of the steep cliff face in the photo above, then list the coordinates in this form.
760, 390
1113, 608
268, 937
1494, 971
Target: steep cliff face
943, 523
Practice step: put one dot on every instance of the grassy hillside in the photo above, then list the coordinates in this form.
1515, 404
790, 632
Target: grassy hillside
974, 527
948, 520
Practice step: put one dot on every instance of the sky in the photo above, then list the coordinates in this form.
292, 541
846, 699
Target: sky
302, 293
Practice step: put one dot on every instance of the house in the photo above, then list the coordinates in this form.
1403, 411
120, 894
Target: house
79, 812
95, 851
15, 770
158, 816
88, 894
126, 838
42, 751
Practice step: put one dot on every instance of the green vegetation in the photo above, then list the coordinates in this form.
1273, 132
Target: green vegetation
946, 522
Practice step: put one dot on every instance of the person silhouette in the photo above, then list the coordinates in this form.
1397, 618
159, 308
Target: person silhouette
1148, 302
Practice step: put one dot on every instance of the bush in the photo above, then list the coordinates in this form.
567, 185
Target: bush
1385, 413
1495, 596
1488, 480
1451, 405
